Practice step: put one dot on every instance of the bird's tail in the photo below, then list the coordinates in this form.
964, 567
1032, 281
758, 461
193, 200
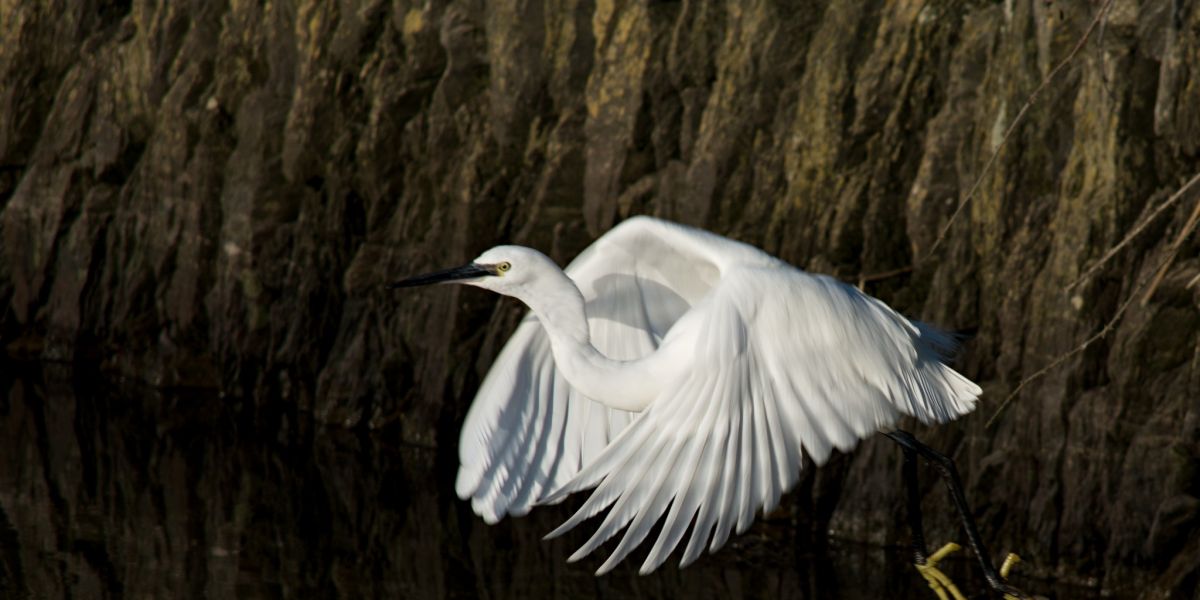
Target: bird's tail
959, 393
945, 343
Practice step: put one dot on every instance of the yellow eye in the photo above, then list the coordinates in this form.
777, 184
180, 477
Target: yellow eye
504, 267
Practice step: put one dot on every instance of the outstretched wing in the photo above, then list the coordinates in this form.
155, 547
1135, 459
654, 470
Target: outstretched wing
527, 431
783, 363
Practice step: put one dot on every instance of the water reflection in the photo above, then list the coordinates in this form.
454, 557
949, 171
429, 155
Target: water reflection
114, 491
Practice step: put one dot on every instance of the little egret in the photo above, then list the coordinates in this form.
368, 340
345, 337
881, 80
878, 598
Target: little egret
681, 373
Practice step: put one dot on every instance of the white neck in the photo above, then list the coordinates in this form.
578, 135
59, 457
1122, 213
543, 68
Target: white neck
623, 385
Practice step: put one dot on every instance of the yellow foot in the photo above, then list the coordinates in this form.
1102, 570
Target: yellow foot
1010, 561
938, 581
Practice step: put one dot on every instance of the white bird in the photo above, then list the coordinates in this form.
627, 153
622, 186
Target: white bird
682, 373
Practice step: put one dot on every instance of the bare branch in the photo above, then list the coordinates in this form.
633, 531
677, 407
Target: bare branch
863, 279
1099, 18
1136, 231
1108, 327
1148, 283
1017, 120
1187, 230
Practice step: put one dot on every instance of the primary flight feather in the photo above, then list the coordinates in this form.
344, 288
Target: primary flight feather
681, 373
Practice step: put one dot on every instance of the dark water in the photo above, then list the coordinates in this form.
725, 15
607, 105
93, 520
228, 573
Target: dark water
111, 490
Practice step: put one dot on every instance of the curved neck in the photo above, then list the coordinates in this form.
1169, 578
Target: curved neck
623, 385
562, 311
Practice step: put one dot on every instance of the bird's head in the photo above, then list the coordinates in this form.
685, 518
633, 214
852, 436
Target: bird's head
508, 270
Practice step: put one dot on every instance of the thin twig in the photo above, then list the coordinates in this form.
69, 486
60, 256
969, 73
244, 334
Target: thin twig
1151, 283
1136, 231
995, 153
1172, 252
1017, 120
863, 279
1108, 327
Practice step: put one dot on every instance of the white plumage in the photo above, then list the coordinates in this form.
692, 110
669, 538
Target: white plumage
678, 372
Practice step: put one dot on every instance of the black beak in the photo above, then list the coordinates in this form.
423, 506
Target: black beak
471, 271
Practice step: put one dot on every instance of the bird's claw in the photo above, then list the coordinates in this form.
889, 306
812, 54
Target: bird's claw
939, 582
1010, 592
945, 589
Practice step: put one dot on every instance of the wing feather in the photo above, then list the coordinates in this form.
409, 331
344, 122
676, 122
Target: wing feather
783, 363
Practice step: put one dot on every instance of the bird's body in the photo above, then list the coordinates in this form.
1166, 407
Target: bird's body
683, 373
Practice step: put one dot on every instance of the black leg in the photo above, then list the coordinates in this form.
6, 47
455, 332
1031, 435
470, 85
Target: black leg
920, 553
945, 466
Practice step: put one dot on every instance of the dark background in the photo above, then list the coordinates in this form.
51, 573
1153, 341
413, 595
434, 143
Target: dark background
115, 490
209, 195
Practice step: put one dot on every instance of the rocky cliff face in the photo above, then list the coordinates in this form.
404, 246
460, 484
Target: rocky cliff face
211, 193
